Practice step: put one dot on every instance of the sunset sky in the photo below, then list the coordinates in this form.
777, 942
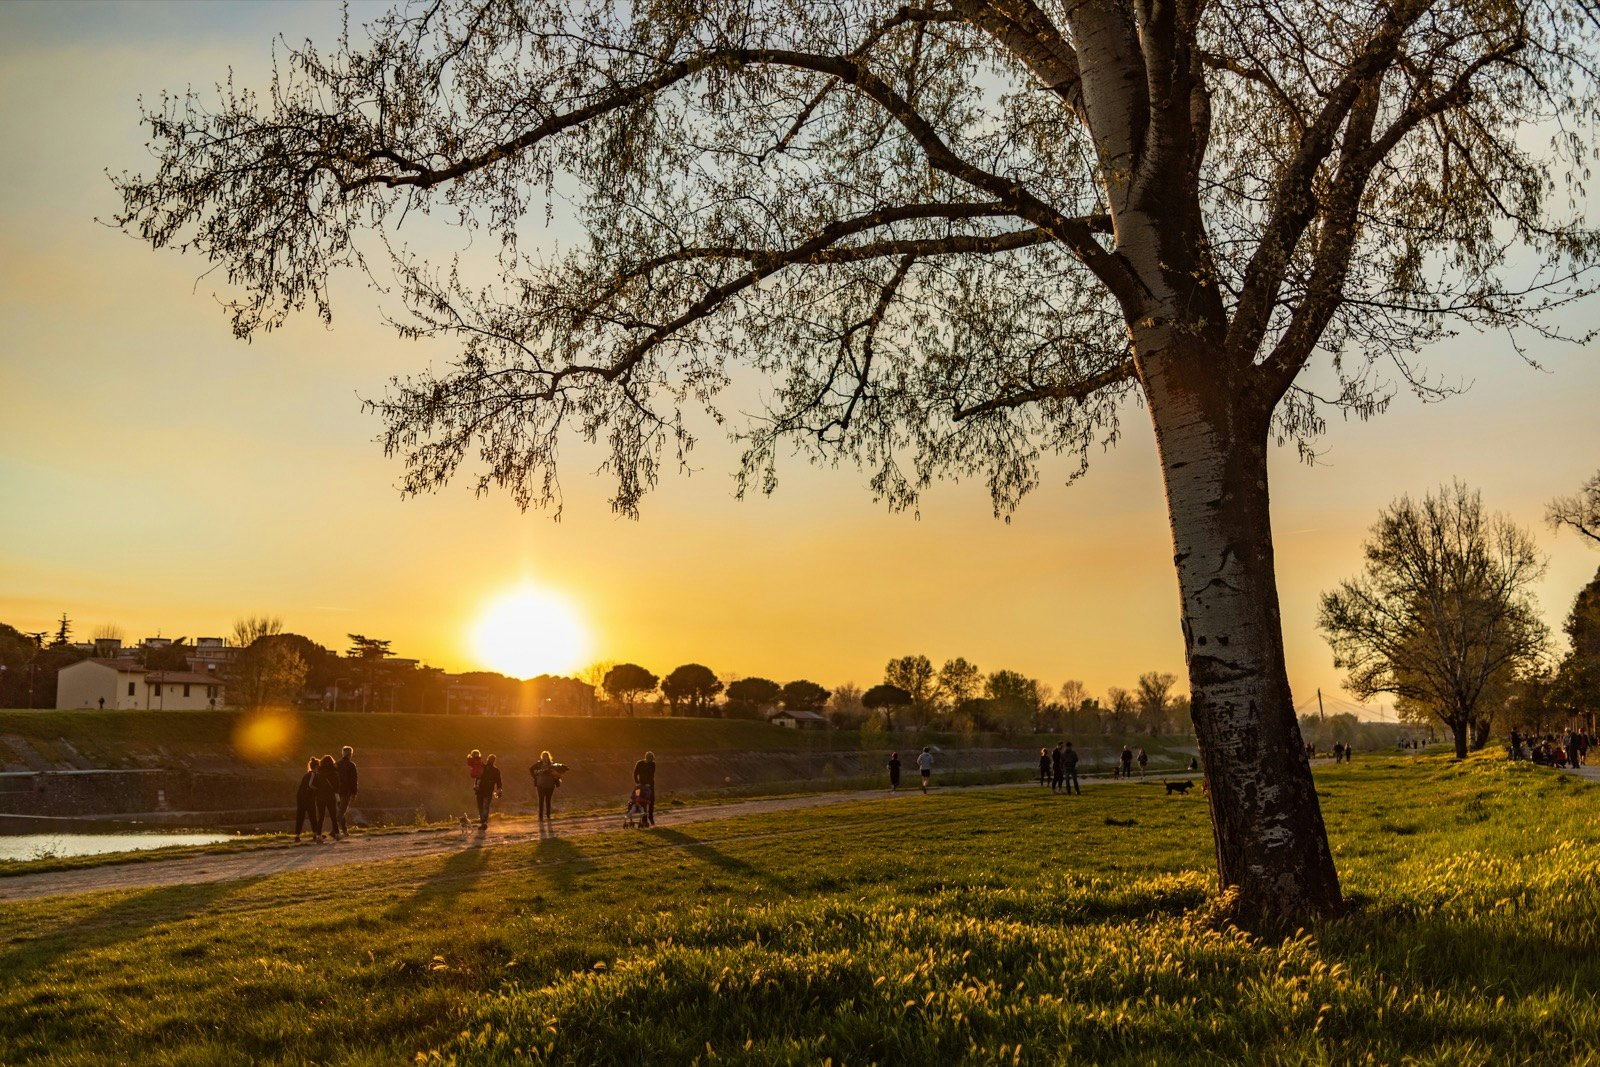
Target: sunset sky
163, 477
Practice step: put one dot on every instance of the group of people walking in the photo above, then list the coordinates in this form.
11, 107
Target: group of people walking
324, 794
488, 784
1058, 768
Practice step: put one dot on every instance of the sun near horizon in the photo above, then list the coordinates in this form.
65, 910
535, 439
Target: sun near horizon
528, 631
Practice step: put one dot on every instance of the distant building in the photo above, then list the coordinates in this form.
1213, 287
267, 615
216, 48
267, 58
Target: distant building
798, 719
125, 686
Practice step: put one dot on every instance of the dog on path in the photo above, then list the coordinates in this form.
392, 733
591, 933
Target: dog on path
1177, 787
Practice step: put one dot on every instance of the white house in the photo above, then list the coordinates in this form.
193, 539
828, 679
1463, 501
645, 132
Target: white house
120, 684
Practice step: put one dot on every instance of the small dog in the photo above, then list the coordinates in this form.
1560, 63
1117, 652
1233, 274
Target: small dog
465, 826
1177, 787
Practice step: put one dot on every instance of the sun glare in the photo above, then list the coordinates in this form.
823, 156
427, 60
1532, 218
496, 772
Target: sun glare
529, 632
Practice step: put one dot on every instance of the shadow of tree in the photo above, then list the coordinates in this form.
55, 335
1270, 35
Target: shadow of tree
129, 916
456, 874
707, 853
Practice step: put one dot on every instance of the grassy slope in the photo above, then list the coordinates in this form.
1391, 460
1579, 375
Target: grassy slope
94, 732
982, 926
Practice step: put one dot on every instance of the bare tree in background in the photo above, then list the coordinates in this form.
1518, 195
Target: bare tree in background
954, 236
1441, 615
1581, 511
247, 630
1154, 693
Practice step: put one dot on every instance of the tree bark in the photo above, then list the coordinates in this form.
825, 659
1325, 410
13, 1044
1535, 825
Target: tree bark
1458, 729
1270, 840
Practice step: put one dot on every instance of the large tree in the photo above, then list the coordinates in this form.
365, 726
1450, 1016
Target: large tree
1578, 681
1442, 616
270, 670
627, 682
954, 235
916, 675
693, 685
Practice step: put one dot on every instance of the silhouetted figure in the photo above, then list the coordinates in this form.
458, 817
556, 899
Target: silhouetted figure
644, 773
1516, 745
327, 786
488, 788
1143, 761
475, 767
545, 780
894, 771
305, 802
1127, 762
348, 778
1055, 768
925, 766
1044, 766
1069, 770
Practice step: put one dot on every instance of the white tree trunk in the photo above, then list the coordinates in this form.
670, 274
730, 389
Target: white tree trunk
1270, 839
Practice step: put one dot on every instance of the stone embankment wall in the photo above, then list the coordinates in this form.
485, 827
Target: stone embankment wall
399, 786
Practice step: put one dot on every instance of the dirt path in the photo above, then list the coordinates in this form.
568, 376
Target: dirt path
379, 848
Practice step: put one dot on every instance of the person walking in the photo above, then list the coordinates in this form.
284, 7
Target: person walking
348, 778
644, 774
1044, 766
1055, 768
925, 766
1143, 761
1127, 762
305, 801
894, 771
1069, 770
487, 790
327, 790
545, 780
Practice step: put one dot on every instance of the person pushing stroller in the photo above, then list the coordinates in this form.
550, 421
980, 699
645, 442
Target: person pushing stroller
644, 792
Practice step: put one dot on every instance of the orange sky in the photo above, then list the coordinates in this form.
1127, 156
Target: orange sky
161, 476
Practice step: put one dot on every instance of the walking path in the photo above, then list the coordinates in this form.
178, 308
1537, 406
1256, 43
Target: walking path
378, 848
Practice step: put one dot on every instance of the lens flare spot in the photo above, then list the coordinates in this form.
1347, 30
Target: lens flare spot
267, 735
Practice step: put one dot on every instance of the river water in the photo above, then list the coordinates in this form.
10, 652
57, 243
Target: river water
45, 846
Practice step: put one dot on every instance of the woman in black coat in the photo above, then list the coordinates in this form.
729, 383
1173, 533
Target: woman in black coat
305, 801
327, 790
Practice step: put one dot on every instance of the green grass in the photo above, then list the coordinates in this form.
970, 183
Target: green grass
981, 926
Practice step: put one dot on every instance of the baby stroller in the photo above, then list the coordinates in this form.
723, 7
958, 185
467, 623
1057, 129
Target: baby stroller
639, 806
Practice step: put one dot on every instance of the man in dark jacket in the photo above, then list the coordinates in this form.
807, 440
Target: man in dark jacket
1069, 770
488, 788
347, 787
644, 773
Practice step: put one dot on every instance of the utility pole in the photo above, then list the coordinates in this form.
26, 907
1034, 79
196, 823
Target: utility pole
1323, 715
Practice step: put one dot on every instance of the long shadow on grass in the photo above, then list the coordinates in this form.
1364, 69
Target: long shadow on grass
124, 919
457, 874
561, 861
710, 854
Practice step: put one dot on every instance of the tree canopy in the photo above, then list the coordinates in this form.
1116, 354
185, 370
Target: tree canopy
803, 695
693, 685
627, 682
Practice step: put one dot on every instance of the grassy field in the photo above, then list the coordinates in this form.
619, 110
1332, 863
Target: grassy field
982, 926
